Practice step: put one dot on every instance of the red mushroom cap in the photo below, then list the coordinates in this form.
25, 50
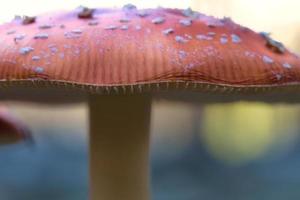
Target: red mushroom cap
113, 48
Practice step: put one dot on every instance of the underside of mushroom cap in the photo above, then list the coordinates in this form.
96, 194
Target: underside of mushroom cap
121, 51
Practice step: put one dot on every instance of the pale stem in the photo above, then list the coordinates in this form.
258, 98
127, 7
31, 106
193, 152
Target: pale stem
119, 147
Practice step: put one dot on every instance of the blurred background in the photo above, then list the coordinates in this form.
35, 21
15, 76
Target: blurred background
218, 151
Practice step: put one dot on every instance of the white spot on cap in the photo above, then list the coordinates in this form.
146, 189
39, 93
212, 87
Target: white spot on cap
85, 12
124, 27
186, 22
41, 36
287, 65
211, 33
111, 27
188, 36
158, 20
190, 66
28, 20
129, 6
265, 34
223, 40
36, 58
76, 31
45, 26
249, 54
25, 50
235, 38
211, 21
142, 13
70, 35
180, 39
124, 20
39, 70
203, 37
278, 77
53, 49
190, 13
267, 60
168, 31
182, 54
20, 36
273, 44
93, 23
10, 32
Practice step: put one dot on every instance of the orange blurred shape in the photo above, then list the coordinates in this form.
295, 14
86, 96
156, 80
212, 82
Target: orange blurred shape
12, 130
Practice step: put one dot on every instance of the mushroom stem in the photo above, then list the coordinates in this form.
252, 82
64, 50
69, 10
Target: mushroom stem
119, 147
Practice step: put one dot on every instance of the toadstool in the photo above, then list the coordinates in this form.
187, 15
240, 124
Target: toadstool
118, 59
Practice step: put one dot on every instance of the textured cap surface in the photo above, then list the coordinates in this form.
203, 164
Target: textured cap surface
108, 48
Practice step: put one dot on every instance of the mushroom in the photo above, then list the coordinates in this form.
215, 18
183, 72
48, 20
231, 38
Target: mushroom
12, 130
117, 66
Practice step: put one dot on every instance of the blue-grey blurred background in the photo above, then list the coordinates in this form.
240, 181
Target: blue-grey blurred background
218, 151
